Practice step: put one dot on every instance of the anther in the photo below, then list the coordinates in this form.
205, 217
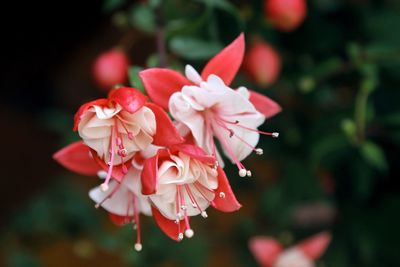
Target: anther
104, 187
221, 194
102, 174
183, 207
204, 214
138, 247
242, 172
130, 136
189, 233
248, 173
119, 141
124, 169
180, 236
275, 135
259, 151
231, 133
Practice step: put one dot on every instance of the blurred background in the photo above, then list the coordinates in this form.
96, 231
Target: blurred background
333, 65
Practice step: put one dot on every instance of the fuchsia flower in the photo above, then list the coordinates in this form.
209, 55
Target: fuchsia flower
123, 201
183, 181
205, 106
269, 253
118, 127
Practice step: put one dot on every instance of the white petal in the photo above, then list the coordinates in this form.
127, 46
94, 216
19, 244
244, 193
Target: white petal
192, 75
119, 202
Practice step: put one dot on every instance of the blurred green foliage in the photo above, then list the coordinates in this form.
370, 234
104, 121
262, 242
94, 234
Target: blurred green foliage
340, 137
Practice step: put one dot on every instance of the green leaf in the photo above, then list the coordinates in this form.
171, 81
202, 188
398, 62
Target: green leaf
193, 48
142, 17
374, 155
134, 79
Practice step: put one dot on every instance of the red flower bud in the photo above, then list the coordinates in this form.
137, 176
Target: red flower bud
262, 64
285, 15
111, 68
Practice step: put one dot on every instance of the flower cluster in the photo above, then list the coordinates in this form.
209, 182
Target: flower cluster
170, 169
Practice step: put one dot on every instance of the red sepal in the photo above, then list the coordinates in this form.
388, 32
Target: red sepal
316, 245
149, 175
75, 157
130, 99
266, 250
227, 62
264, 104
120, 220
166, 132
169, 227
160, 84
227, 203
85, 107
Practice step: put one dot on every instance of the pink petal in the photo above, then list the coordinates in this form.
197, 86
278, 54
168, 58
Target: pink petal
117, 172
316, 245
266, 250
130, 99
225, 199
166, 132
149, 175
170, 228
160, 84
85, 107
227, 62
264, 105
75, 157
195, 152
120, 220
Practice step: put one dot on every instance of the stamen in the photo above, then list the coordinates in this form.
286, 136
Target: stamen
242, 172
138, 245
188, 232
236, 122
108, 196
259, 151
104, 186
193, 199
130, 134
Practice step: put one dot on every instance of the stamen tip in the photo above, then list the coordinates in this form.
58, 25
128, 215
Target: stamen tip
259, 151
242, 172
180, 236
189, 233
104, 187
248, 173
204, 214
275, 134
221, 194
138, 247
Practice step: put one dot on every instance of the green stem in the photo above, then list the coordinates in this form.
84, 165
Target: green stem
360, 114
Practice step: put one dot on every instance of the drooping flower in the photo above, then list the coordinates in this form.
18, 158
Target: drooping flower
205, 106
183, 181
111, 68
286, 15
117, 128
270, 253
124, 202
262, 63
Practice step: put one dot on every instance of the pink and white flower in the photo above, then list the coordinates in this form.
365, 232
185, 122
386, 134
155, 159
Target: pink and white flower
270, 253
118, 127
183, 181
124, 202
205, 106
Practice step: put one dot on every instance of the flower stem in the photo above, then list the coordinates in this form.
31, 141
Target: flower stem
160, 36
